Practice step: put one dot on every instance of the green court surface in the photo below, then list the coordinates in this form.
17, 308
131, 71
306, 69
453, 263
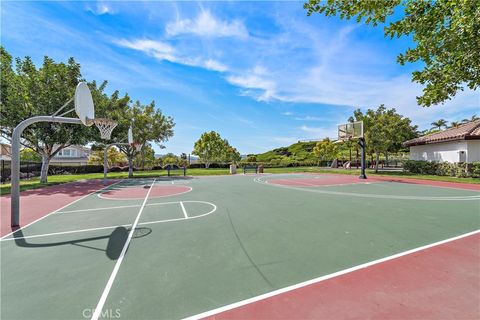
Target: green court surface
218, 241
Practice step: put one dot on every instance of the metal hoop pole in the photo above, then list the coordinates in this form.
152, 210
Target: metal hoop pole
15, 164
361, 142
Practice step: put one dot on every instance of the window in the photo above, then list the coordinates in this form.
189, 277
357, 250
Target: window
67, 153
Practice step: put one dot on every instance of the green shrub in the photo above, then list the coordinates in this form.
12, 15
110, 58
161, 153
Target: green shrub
459, 170
476, 169
446, 169
420, 167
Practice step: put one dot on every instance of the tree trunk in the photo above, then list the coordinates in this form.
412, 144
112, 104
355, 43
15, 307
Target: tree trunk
386, 159
142, 154
207, 164
350, 149
377, 158
130, 166
44, 171
357, 159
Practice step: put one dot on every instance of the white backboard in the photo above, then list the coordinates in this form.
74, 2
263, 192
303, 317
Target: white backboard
84, 104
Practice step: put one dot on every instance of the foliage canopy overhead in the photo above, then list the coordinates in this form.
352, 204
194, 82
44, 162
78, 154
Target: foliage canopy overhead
446, 34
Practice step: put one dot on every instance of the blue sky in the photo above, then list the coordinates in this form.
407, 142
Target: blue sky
262, 74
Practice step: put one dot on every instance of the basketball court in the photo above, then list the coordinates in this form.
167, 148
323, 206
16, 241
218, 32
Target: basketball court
244, 247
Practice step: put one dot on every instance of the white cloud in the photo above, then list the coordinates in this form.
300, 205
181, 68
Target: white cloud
309, 118
255, 83
101, 8
287, 113
206, 25
164, 51
215, 65
157, 49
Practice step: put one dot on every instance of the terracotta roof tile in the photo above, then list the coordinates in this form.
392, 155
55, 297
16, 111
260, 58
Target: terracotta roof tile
469, 130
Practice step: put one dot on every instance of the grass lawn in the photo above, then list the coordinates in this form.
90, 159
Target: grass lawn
57, 179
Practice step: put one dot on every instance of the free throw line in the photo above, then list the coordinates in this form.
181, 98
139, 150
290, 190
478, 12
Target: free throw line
183, 210
106, 291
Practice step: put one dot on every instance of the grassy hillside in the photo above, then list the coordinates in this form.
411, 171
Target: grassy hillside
300, 151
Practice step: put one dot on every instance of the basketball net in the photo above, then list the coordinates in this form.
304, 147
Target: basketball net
137, 146
105, 126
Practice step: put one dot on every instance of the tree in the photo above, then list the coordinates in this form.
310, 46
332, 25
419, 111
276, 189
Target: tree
473, 118
170, 158
146, 158
251, 158
149, 125
114, 157
29, 91
209, 148
27, 154
445, 33
384, 130
326, 150
439, 124
231, 154
455, 124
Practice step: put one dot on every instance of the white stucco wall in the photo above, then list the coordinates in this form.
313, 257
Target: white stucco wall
447, 151
473, 153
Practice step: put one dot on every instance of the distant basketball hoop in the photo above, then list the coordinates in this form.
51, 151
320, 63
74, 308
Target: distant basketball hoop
350, 131
137, 146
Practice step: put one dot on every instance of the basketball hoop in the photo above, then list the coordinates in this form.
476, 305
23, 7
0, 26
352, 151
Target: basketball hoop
137, 146
105, 126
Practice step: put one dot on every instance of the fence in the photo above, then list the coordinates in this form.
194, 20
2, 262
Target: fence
29, 169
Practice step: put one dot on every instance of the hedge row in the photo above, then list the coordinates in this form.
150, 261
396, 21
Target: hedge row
90, 168
460, 170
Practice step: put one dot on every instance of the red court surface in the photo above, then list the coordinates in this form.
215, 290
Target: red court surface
445, 184
36, 203
139, 192
338, 179
441, 282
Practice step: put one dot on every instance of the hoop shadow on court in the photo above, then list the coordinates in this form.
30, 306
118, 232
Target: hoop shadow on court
116, 241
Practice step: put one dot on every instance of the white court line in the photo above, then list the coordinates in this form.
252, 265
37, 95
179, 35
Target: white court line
317, 185
183, 209
124, 225
323, 278
106, 291
65, 206
372, 195
99, 209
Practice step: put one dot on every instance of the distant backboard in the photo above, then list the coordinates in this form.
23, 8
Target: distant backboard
130, 136
351, 130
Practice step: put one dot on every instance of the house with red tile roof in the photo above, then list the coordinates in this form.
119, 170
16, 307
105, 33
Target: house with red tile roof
457, 144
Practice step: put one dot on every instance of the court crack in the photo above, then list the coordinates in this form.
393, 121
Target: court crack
255, 265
